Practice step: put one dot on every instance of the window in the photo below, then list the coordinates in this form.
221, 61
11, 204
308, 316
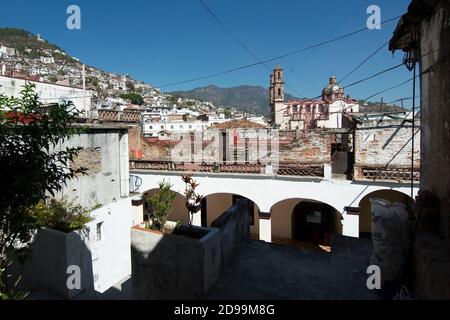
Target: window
99, 231
150, 127
162, 127
190, 126
171, 127
279, 92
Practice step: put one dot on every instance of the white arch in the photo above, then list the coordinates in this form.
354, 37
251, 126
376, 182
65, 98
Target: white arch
265, 191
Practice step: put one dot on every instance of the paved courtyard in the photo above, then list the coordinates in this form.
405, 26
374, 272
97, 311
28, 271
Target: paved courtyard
263, 270
272, 271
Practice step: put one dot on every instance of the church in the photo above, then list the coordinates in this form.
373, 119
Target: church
328, 112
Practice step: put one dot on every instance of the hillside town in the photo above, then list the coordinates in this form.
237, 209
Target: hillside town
152, 196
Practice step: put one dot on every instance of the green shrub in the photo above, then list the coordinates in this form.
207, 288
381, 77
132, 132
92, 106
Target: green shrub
161, 203
61, 214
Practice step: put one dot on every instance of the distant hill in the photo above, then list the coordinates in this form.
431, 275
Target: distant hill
28, 45
245, 98
375, 107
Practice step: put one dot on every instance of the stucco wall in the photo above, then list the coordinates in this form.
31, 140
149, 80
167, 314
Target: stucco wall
106, 158
281, 217
48, 93
103, 258
173, 266
234, 229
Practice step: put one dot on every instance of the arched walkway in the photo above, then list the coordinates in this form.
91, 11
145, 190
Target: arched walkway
365, 214
265, 191
304, 220
214, 205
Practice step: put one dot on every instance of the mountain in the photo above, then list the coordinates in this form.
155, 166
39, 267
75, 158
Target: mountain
254, 99
375, 107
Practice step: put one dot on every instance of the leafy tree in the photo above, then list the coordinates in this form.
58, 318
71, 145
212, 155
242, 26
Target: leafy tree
133, 97
161, 203
33, 164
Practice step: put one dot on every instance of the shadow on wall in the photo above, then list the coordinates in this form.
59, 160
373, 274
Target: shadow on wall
57, 262
176, 266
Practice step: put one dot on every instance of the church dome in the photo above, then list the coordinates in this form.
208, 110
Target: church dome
333, 87
332, 91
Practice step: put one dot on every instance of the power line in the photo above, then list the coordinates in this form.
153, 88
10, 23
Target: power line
241, 42
275, 58
409, 80
364, 61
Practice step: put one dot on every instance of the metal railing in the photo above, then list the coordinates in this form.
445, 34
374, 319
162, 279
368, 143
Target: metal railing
392, 174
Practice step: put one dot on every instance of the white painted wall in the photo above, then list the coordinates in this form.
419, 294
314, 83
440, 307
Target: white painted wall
111, 255
48, 93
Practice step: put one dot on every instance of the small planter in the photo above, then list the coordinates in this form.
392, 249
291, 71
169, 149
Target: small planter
183, 264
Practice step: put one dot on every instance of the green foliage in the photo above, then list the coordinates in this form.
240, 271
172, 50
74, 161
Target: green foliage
135, 98
61, 214
21, 39
9, 293
33, 163
161, 203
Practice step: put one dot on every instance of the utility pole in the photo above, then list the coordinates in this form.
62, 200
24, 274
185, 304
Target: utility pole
84, 87
381, 105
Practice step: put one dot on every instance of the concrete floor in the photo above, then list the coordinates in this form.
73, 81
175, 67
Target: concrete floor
270, 271
263, 270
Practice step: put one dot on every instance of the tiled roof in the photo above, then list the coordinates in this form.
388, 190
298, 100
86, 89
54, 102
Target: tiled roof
239, 124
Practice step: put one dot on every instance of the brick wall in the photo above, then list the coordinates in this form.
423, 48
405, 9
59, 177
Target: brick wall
305, 147
313, 147
386, 146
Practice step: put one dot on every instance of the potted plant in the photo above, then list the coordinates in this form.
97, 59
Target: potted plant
171, 261
161, 206
62, 241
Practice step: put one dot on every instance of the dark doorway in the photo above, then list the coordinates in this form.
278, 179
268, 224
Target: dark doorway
314, 222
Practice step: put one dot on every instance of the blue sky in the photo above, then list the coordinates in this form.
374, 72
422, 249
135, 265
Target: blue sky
164, 41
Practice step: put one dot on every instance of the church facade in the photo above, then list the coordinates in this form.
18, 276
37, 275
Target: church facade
304, 114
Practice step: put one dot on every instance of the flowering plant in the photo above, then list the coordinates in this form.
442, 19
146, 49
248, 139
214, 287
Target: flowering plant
193, 199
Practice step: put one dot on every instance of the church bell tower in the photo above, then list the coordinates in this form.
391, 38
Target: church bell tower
276, 99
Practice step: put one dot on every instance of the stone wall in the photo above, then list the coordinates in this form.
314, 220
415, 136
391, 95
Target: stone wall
432, 250
309, 147
384, 143
313, 147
